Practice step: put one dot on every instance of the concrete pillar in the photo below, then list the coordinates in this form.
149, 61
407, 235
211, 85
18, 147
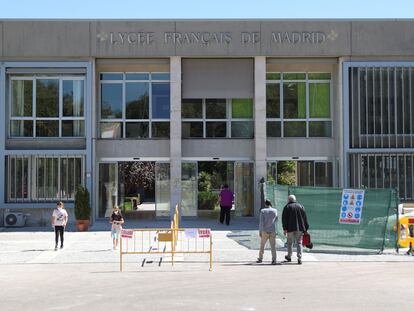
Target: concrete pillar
260, 150
175, 133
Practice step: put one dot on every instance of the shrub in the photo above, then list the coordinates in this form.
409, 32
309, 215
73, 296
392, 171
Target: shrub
207, 200
82, 206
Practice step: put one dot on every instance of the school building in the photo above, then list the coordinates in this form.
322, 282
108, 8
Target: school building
150, 113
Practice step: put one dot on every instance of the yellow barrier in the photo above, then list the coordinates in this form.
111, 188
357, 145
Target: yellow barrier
166, 241
406, 232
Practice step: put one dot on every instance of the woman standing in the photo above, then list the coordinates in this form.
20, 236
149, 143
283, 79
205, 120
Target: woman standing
226, 203
116, 220
59, 221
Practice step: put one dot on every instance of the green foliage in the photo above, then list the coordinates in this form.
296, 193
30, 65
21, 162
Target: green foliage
286, 173
204, 182
207, 200
82, 206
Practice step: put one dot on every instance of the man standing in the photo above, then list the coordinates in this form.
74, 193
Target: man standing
295, 224
267, 230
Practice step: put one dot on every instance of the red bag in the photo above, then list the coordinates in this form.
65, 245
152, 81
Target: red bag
306, 240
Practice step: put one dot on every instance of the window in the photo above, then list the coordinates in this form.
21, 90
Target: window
46, 106
217, 118
301, 173
381, 107
383, 171
43, 178
298, 104
135, 105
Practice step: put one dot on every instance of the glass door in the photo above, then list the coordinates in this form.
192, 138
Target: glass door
162, 189
189, 191
243, 189
108, 188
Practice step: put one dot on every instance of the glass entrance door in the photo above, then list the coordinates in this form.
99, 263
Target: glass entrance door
141, 189
243, 188
162, 189
189, 190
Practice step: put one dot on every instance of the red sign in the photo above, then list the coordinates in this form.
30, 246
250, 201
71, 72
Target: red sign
204, 233
127, 234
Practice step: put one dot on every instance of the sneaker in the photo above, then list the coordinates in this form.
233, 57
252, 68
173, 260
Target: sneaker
61, 246
288, 259
273, 262
56, 248
259, 260
299, 261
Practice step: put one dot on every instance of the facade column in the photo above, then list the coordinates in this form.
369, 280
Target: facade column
175, 133
3, 179
260, 150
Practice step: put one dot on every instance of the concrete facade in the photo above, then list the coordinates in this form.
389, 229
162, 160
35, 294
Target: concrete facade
244, 50
236, 38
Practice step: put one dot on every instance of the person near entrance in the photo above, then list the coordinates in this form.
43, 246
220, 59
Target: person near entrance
59, 221
226, 202
267, 230
295, 223
116, 220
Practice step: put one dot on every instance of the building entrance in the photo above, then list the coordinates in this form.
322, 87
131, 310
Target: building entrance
202, 182
141, 189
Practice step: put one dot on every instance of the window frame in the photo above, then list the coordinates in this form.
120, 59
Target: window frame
33, 118
123, 120
33, 177
307, 119
228, 119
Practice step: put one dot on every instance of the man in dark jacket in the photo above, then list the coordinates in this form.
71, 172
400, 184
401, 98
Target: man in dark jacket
294, 223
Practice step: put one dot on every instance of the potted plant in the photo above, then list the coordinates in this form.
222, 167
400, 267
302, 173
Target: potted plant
82, 208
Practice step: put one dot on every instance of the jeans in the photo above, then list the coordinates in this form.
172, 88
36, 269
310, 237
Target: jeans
294, 236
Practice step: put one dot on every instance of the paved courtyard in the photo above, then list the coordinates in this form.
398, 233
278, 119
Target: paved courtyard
85, 274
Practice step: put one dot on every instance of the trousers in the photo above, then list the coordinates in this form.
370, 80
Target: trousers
59, 232
271, 236
225, 214
294, 236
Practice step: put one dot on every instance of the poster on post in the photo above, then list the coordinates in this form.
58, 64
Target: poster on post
352, 202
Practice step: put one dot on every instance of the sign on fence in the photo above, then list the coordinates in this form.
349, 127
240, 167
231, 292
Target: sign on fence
204, 233
127, 234
351, 206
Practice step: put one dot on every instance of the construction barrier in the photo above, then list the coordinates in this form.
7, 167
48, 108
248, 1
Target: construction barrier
324, 208
406, 232
166, 241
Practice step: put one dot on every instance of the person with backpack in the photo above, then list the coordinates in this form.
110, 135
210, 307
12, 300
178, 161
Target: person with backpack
295, 224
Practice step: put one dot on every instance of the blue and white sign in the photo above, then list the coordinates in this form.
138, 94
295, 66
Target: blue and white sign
351, 207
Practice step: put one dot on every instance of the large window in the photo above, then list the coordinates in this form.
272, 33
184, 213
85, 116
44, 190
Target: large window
46, 106
217, 118
301, 173
381, 109
43, 178
384, 171
298, 104
135, 105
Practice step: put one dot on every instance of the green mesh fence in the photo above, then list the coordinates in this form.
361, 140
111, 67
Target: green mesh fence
322, 205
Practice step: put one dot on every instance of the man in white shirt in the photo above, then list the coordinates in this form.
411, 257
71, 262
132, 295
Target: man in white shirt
59, 221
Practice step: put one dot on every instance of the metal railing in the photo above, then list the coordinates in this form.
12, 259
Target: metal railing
166, 241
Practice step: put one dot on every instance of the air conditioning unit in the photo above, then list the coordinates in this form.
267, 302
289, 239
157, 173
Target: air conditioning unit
14, 219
